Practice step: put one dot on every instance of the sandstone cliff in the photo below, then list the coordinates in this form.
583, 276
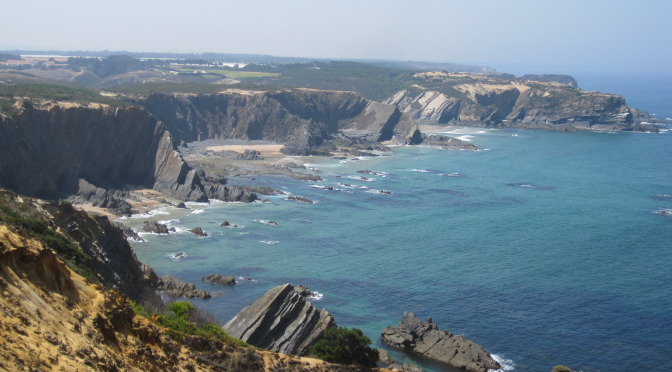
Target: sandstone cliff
302, 119
51, 318
482, 100
281, 320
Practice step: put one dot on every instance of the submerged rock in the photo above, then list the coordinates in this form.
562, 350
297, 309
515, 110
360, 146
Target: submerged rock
155, 227
219, 279
198, 231
299, 199
174, 287
425, 339
281, 320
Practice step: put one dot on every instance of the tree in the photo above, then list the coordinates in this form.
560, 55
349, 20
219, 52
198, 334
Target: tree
345, 346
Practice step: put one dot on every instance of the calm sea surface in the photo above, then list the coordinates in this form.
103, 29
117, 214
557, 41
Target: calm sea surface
546, 248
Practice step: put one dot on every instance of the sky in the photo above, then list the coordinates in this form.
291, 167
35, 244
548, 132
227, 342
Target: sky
534, 36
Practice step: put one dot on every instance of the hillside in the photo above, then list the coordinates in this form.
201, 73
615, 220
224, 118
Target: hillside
55, 319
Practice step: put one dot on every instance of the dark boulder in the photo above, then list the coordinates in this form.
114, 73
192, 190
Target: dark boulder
426, 340
155, 227
198, 231
219, 279
174, 287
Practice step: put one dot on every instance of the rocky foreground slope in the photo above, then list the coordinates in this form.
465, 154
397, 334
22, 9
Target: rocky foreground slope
533, 101
52, 318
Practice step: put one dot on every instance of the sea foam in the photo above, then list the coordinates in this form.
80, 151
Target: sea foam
507, 364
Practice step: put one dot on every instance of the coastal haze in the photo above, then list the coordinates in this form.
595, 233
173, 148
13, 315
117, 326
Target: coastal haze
520, 37
501, 168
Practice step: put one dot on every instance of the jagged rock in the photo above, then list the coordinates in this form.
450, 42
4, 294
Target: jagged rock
448, 143
281, 320
299, 199
304, 291
181, 205
219, 279
155, 227
129, 233
386, 361
112, 258
425, 339
198, 231
142, 153
174, 287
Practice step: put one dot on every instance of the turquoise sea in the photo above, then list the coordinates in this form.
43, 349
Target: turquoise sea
547, 247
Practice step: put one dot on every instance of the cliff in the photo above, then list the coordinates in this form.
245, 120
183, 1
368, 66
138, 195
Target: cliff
56, 149
304, 120
52, 318
496, 101
281, 320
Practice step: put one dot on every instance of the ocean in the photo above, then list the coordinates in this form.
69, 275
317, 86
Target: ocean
546, 247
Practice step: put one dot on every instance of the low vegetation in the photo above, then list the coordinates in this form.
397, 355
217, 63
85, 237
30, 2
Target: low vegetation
183, 318
345, 346
24, 219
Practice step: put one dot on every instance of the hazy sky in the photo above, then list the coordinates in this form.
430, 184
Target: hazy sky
529, 35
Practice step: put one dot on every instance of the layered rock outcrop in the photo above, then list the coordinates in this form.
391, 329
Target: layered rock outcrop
54, 319
301, 119
538, 102
54, 150
425, 339
281, 320
48, 149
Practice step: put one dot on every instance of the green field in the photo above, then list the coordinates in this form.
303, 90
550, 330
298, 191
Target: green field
234, 74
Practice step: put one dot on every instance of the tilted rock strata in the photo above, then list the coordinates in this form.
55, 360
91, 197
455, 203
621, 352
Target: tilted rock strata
281, 320
425, 339
301, 119
52, 150
475, 100
53, 319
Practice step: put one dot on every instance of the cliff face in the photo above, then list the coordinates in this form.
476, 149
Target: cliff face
281, 320
47, 149
301, 119
53, 319
521, 103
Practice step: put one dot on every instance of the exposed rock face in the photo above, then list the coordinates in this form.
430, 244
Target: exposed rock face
174, 287
155, 227
53, 319
474, 100
426, 340
281, 320
219, 279
198, 231
111, 255
302, 119
59, 144
448, 143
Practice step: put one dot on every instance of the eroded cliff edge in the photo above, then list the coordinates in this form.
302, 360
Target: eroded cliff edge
304, 120
532, 101
56, 149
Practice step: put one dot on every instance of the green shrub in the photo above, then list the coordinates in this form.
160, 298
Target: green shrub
345, 346
181, 322
24, 219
